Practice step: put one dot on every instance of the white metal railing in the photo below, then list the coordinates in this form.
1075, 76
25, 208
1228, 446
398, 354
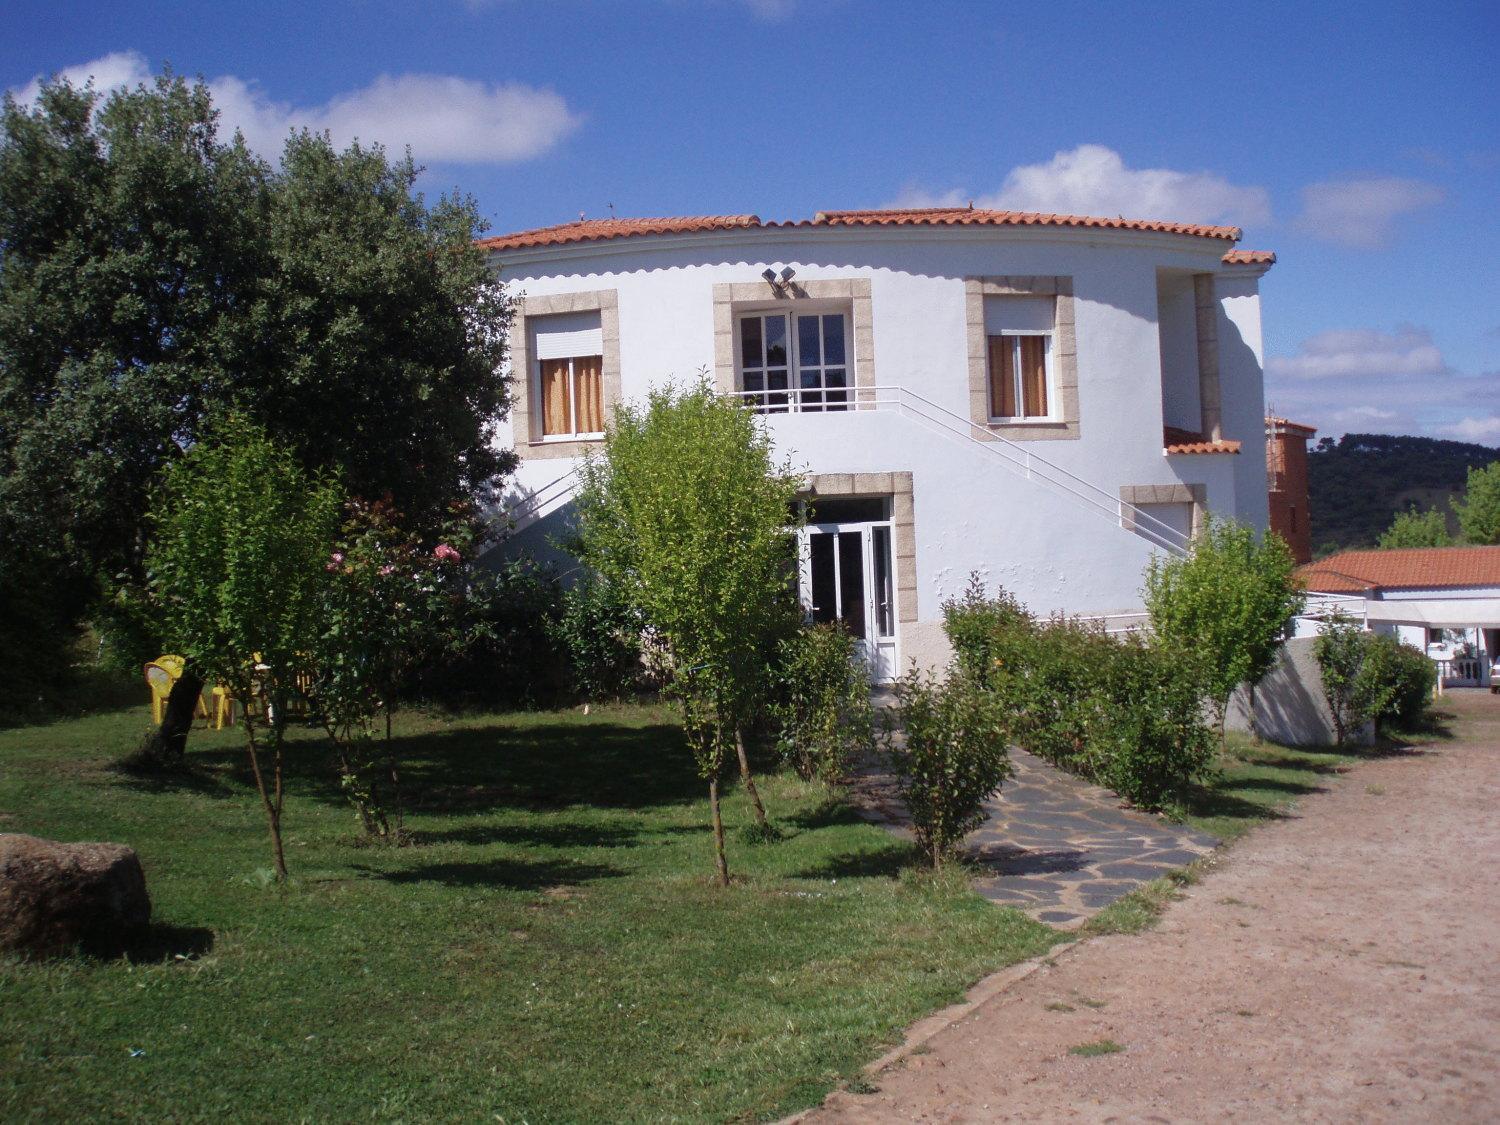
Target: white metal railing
1018, 458
1015, 457
531, 504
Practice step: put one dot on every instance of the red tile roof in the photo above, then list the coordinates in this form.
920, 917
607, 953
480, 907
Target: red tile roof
1185, 441
593, 230
1352, 572
1286, 425
969, 216
1250, 258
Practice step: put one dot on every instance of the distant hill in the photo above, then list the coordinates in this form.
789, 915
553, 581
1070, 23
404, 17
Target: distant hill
1361, 481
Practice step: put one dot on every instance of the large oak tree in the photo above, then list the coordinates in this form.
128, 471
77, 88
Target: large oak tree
155, 274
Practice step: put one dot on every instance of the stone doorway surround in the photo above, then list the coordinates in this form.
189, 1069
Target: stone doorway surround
898, 486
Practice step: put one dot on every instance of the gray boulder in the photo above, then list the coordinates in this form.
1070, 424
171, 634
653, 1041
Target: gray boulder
57, 897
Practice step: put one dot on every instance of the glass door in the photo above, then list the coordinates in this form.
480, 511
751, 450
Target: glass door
847, 576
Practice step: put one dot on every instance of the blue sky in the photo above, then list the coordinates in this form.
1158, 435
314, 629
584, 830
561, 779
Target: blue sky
1359, 141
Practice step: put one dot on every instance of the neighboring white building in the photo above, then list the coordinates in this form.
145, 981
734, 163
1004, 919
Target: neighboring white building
1043, 399
1444, 601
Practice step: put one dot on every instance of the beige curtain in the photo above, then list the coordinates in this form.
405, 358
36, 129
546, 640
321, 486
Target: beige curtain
1002, 379
555, 411
588, 374
1034, 375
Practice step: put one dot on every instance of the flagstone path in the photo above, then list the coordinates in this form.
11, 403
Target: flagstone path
1054, 846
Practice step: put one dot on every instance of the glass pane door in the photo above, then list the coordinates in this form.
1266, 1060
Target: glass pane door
847, 577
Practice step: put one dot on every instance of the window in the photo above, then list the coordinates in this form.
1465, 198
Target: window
1019, 331
569, 350
794, 361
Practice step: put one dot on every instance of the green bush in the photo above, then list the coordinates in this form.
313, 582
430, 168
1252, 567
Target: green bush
822, 711
501, 648
601, 639
1340, 652
1113, 709
1370, 677
952, 756
1397, 680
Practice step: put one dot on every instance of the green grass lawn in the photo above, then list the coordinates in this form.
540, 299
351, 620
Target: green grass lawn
552, 950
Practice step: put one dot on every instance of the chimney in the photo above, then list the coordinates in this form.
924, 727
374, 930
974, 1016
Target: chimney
1286, 484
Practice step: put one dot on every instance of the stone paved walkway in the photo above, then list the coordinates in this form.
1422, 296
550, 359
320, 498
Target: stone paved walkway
1056, 847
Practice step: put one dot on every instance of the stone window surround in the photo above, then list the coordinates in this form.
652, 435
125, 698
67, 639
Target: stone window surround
525, 416
898, 486
1064, 357
731, 298
1194, 494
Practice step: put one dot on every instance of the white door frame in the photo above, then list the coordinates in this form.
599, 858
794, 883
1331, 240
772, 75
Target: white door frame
879, 651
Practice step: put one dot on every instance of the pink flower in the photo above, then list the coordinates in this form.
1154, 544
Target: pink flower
445, 552
387, 570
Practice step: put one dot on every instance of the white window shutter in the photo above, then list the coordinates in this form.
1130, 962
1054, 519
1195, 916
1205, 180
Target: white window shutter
1019, 314
566, 335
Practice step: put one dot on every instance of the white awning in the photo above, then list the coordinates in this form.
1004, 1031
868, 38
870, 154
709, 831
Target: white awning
1445, 613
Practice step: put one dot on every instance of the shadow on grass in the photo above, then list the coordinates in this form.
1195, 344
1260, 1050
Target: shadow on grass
1211, 802
567, 835
515, 874
191, 777
887, 863
161, 942
1276, 785
508, 764
831, 812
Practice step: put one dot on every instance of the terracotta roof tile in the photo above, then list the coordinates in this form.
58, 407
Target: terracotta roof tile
1286, 425
1175, 440
593, 230
1250, 258
968, 216
1404, 568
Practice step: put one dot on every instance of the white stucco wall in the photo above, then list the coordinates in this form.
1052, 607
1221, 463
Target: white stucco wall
971, 513
1177, 329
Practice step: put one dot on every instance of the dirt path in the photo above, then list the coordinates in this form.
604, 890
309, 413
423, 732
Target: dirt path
1343, 964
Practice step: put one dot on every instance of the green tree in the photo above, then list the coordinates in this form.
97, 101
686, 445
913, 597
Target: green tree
154, 274
1226, 604
237, 561
686, 516
1479, 510
1340, 651
1414, 528
952, 754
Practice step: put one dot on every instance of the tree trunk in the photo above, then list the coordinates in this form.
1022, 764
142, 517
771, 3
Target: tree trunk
273, 809
168, 743
739, 748
721, 866
1254, 729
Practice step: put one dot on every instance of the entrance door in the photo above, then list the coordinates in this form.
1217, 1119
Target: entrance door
847, 576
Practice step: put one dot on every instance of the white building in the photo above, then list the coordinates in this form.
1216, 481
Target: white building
1043, 399
1444, 601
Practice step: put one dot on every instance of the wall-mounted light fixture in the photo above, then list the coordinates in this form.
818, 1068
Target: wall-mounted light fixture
778, 284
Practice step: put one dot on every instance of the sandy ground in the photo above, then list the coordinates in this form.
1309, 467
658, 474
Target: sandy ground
1342, 964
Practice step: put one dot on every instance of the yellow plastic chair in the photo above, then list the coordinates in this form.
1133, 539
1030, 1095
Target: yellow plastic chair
159, 679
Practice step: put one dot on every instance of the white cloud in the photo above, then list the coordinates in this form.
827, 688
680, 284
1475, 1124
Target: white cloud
112, 71
1363, 213
1485, 431
1343, 352
1094, 180
442, 118
1363, 380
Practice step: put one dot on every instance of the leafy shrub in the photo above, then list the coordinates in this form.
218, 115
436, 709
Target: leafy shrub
1114, 709
822, 711
601, 640
1340, 653
952, 756
1398, 681
499, 645
1370, 677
